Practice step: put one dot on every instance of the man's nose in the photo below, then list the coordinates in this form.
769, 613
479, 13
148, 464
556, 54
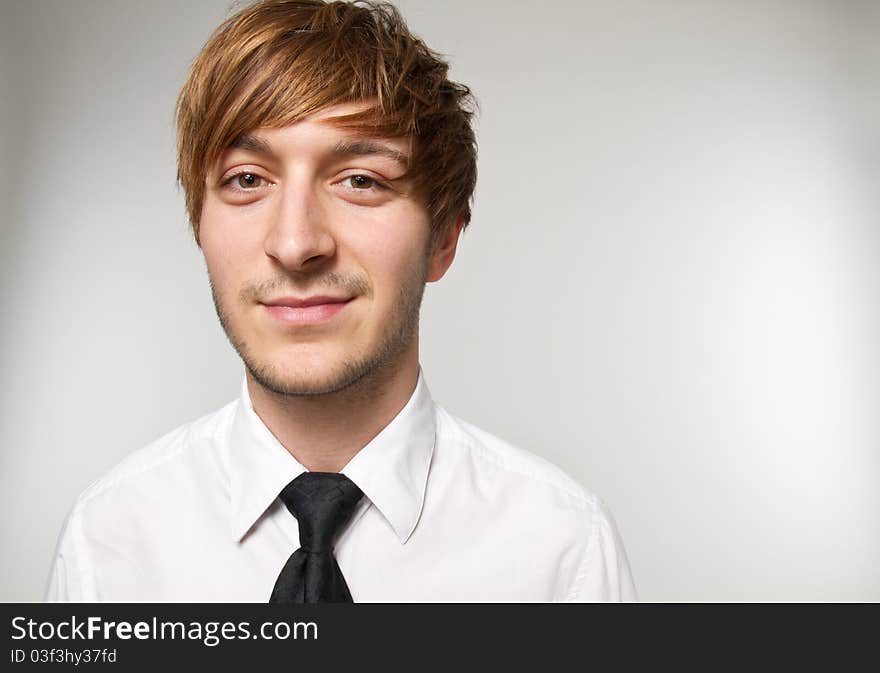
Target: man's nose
299, 238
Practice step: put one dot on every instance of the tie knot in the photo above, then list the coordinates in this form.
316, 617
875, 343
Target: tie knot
322, 502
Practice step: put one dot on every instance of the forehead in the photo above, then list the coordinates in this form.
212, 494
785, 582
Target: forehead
323, 131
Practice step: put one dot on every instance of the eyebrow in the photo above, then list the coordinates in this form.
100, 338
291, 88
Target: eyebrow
250, 143
360, 147
344, 148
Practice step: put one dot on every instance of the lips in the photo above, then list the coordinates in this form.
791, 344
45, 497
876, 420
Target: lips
317, 300
305, 312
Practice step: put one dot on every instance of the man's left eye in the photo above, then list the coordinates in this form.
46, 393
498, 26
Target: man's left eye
361, 182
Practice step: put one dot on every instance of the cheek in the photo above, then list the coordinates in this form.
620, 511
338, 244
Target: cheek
224, 245
390, 248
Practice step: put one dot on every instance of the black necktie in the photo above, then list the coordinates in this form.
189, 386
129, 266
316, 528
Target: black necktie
322, 502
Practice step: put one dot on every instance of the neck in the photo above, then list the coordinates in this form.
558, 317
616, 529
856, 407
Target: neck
324, 432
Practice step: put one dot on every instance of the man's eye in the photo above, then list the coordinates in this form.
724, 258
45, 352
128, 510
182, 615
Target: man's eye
361, 182
248, 180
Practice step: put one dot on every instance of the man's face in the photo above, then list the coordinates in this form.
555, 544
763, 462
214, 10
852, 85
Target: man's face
317, 261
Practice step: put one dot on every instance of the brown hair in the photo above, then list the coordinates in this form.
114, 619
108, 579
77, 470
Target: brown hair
277, 61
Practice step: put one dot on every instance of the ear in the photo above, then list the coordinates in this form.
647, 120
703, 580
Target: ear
444, 252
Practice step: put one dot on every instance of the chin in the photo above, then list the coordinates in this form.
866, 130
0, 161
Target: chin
306, 380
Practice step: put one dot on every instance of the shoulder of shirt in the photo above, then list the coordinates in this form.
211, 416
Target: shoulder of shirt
485, 446
190, 436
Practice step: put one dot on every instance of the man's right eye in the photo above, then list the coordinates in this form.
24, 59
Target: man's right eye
247, 180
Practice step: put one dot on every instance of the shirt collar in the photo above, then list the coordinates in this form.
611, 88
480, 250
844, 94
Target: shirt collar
391, 470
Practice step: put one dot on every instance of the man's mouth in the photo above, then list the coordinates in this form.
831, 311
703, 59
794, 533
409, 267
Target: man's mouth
314, 310
315, 300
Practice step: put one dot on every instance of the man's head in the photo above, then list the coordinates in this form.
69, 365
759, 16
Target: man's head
323, 153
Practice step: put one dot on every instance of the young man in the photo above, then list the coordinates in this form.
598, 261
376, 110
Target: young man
328, 166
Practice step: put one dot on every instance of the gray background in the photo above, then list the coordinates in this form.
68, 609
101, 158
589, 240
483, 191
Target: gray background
670, 287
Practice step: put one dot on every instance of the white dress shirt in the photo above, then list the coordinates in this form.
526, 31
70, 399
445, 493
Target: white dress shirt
450, 513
